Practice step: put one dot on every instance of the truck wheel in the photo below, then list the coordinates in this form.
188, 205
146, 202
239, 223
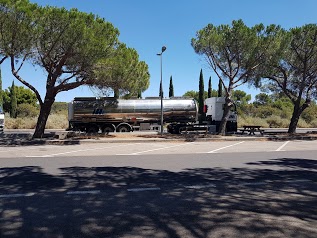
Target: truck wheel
107, 129
92, 129
123, 128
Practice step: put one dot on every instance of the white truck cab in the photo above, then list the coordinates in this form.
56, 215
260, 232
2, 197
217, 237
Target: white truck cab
214, 107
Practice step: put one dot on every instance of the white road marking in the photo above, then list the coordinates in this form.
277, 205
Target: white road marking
142, 189
162, 148
83, 192
201, 186
253, 183
213, 151
76, 151
26, 148
16, 195
282, 146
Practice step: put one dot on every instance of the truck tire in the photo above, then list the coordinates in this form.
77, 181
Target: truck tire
124, 128
93, 129
108, 128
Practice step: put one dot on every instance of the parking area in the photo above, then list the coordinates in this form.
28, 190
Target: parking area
156, 148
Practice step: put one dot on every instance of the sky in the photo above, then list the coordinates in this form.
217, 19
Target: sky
147, 25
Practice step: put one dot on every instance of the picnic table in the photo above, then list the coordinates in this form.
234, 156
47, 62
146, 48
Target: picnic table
252, 129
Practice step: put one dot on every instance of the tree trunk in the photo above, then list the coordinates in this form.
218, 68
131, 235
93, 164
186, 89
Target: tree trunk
42, 118
298, 110
293, 124
225, 116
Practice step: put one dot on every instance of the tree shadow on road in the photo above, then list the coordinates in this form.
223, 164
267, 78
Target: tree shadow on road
206, 202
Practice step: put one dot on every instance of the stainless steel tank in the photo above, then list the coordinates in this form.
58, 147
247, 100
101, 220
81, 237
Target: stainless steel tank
174, 110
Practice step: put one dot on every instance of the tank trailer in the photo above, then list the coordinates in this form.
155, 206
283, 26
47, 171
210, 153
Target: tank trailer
92, 115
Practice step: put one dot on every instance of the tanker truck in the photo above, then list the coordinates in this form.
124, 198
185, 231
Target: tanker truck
106, 114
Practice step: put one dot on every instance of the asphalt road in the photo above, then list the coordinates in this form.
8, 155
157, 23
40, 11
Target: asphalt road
161, 189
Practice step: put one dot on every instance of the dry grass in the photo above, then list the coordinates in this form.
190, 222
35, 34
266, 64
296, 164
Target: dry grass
59, 121
55, 121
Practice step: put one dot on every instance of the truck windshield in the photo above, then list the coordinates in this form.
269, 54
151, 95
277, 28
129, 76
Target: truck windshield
1, 111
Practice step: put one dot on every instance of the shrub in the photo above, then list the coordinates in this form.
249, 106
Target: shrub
277, 122
20, 123
266, 111
310, 114
302, 123
252, 121
59, 107
57, 121
27, 110
313, 123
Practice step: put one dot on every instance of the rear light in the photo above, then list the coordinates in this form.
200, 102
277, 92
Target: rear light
205, 108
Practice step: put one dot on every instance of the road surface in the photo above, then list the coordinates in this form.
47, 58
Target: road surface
161, 189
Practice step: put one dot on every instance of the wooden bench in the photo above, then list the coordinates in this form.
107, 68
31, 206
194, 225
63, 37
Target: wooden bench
252, 130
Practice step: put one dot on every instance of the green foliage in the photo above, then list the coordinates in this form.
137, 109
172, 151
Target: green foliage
27, 110
310, 114
13, 101
291, 68
209, 88
74, 48
194, 94
246, 111
266, 111
214, 93
23, 95
59, 108
247, 120
234, 53
241, 100
128, 75
171, 88
277, 122
262, 99
201, 97
240, 97
219, 92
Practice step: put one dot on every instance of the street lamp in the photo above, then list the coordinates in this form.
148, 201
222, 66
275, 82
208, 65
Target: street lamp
161, 89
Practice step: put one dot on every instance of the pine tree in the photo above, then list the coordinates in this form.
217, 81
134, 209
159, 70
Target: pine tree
13, 101
161, 91
139, 94
220, 88
201, 96
209, 88
116, 93
171, 88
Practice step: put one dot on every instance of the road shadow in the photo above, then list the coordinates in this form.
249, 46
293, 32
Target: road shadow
25, 139
206, 202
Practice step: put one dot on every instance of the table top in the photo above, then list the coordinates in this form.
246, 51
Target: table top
252, 126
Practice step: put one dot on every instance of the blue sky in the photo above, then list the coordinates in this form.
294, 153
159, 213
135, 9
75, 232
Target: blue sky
147, 25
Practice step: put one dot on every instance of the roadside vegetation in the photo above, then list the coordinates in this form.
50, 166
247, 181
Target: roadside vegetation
27, 117
269, 111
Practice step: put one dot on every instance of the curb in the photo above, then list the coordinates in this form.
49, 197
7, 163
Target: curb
151, 140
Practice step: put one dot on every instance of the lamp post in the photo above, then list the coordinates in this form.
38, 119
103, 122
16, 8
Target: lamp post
161, 89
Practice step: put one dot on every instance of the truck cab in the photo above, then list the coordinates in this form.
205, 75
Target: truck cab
214, 107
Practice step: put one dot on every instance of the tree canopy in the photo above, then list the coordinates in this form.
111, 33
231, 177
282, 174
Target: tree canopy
74, 48
292, 69
234, 52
